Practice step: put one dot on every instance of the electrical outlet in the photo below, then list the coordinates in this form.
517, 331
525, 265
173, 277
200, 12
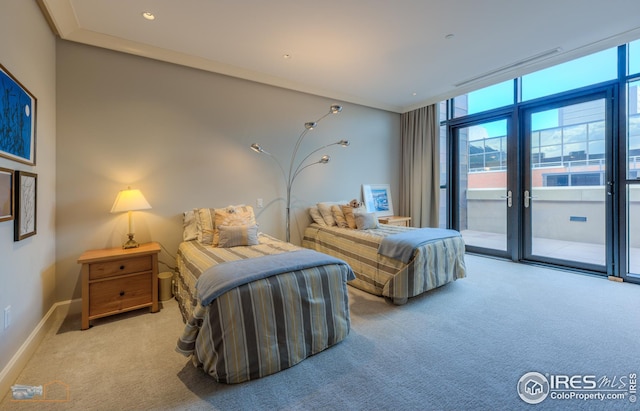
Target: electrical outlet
259, 203
7, 316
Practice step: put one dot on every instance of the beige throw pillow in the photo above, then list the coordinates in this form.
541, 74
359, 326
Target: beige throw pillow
325, 211
316, 216
232, 216
204, 221
338, 216
348, 211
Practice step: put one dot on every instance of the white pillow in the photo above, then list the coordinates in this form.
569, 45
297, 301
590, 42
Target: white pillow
189, 226
365, 221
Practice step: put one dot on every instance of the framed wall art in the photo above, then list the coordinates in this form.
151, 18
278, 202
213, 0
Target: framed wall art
6, 194
17, 120
377, 198
26, 201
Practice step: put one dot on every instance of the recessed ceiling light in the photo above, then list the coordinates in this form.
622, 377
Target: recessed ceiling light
148, 15
286, 56
449, 36
414, 94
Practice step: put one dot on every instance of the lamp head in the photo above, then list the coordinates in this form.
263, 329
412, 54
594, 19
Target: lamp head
344, 143
255, 147
129, 200
310, 125
325, 159
335, 109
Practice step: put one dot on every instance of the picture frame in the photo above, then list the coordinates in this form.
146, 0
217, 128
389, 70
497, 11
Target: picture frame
377, 198
17, 120
6, 194
26, 205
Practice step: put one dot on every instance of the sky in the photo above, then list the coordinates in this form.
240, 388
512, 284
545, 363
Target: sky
592, 69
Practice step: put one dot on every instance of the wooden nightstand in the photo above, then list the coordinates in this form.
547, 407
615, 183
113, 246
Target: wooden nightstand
395, 220
115, 280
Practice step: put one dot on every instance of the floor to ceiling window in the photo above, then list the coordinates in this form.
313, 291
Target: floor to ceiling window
532, 165
630, 151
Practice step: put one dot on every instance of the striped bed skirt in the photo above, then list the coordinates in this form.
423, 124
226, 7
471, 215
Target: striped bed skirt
268, 325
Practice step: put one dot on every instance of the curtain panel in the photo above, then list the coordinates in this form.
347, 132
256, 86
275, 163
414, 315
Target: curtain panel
420, 177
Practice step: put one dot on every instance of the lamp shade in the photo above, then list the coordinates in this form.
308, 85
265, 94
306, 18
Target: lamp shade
130, 200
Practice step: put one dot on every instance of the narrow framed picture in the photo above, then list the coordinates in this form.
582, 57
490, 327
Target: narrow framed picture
26, 205
17, 120
377, 198
6, 194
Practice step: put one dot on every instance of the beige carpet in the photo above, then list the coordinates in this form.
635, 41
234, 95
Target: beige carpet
463, 346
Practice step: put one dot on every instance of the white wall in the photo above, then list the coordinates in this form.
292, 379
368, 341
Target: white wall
182, 136
27, 267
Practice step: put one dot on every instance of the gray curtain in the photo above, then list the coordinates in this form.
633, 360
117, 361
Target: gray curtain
420, 178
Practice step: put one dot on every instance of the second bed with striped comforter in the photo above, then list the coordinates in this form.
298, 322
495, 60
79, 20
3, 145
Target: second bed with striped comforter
432, 265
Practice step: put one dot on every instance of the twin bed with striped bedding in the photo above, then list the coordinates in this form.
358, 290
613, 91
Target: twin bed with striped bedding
292, 304
392, 261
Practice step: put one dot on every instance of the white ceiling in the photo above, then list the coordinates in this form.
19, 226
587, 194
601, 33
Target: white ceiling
387, 54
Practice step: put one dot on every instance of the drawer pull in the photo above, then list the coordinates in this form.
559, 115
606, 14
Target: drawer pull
122, 267
121, 293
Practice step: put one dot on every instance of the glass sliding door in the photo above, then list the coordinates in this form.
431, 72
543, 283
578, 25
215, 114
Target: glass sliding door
482, 195
566, 188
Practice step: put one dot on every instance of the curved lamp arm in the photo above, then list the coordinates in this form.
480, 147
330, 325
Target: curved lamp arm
333, 109
256, 147
343, 143
324, 160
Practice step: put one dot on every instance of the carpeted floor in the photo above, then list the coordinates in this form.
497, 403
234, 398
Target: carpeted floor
462, 347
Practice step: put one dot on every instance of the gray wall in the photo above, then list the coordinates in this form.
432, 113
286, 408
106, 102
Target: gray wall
27, 267
182, 137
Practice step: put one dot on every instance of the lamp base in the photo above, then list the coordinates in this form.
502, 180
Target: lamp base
131, 243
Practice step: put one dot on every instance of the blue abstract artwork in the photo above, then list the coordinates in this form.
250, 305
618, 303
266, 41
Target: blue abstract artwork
17, 120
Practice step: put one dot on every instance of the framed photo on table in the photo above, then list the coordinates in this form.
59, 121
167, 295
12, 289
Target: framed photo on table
6, 194
377, 198
26, 201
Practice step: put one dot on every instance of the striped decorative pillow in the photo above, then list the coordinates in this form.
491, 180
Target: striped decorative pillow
338, 216
233, 236
232, 216
204, 220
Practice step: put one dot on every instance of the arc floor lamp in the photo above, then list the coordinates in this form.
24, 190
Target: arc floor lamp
290, 177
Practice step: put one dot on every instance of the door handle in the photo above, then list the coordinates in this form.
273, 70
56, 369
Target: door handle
509, 198
527, 198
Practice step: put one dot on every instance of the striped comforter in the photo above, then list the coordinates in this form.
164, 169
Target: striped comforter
265, 326
433, 264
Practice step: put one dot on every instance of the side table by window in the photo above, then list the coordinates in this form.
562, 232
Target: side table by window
395, 220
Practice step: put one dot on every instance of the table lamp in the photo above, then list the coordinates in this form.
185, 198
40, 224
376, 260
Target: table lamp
130, 200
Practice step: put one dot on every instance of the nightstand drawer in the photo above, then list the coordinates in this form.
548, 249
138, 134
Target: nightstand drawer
119, 267
119, 294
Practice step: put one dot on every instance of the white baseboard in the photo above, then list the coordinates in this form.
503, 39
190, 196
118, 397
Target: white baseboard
10, 373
